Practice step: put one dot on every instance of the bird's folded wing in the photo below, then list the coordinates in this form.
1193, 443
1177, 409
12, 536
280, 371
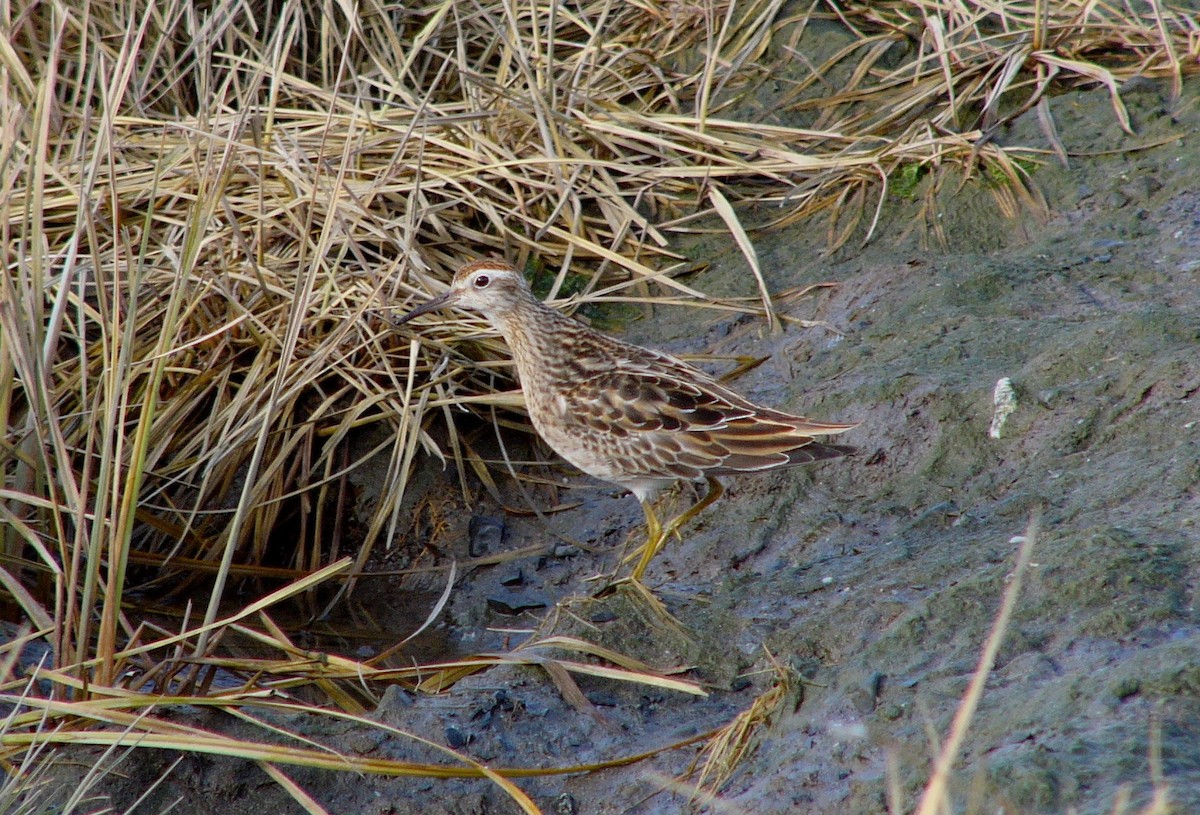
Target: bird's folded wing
688, 428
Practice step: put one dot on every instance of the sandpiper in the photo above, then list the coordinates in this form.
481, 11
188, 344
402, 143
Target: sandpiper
637, 418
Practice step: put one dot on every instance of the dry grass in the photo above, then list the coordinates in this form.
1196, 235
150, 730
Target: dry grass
203, 208
736, 741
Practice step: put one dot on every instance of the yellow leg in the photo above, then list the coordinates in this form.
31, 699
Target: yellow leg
657, 534
654, 541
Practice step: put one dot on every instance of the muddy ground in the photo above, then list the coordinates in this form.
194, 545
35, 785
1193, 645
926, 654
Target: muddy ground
873, 581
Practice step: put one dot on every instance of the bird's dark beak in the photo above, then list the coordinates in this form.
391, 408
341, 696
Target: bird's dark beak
433, 305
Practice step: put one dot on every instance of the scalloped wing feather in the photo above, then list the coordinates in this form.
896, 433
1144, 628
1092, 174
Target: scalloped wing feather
674, 421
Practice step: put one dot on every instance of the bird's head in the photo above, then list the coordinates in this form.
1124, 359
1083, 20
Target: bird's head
489, 287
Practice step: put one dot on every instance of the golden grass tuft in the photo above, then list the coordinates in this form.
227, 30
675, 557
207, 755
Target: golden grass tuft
736, 741
204, 208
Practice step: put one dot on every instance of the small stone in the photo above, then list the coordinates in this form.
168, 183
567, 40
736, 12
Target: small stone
740, 684
1048, 396
1141, 188
1115, 200
516, 603
455, 738
362, 742
1127, 687
862, 700
486, 533
396, 697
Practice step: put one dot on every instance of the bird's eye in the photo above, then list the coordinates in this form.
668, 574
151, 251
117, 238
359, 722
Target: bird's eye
482, 281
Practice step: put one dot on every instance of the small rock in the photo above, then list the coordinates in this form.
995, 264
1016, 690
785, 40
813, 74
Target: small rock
1048, 397
862, 700
1127, 687
486, 533
455, 738
362, 742
1140, 188
395, 697
515, 603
